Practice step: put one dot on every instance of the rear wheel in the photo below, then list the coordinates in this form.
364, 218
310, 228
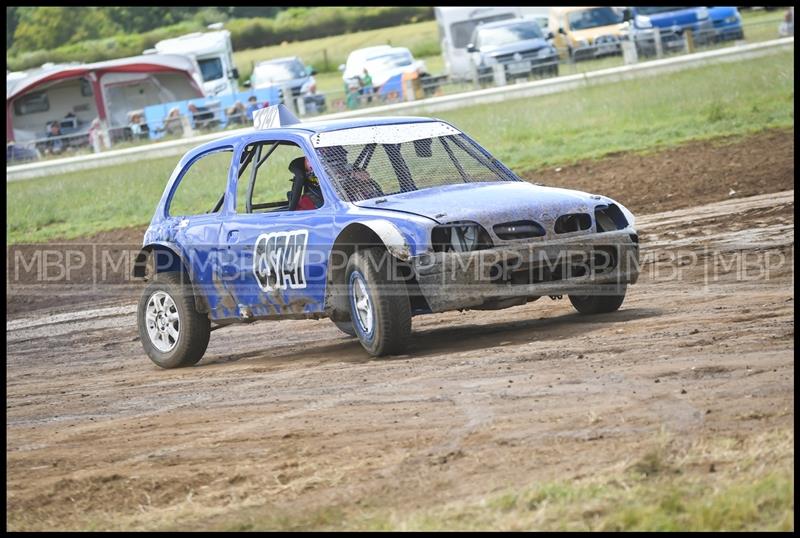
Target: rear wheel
379, 307
173, 333
597, 304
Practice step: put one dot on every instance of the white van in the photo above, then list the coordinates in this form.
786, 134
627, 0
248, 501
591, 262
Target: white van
456, 25
214, 54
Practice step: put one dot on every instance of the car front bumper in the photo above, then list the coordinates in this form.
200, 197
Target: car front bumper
596, 263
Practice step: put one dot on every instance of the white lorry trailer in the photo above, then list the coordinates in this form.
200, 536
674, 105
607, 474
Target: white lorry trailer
214, 54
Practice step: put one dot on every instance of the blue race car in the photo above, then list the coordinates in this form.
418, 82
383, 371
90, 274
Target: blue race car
368, 222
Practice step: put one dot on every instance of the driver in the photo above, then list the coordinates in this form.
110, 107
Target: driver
355, 181
312, 193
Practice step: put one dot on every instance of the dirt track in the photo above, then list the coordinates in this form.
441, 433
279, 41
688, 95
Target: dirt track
292, 417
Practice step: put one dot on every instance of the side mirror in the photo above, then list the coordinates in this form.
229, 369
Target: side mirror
246, 83
549, 35
341, 68
561, 31
234, 73
472, 48
627, 15
313, 72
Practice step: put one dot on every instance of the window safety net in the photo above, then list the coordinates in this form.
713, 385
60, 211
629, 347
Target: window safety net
364, 171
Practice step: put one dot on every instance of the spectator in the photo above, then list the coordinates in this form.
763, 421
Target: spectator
366, 85
351, 91
19, 153
252, 106
56, 145
137, 126
236, 113
96, 136
173, 123
202, 116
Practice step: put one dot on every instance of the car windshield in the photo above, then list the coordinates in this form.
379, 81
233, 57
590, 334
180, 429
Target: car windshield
656, 10
388, 61
496, 37
593, 18
363, 171
278, 72
211, 68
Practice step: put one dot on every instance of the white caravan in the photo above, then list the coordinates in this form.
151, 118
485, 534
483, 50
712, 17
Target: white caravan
456, 25
214, 54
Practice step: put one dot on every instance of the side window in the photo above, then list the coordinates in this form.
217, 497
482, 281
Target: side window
273, 180
202, 186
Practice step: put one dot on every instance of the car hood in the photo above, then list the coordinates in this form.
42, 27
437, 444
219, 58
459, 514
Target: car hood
681, 17
528, 44
591, 33
717, 13
292, 83
492, 203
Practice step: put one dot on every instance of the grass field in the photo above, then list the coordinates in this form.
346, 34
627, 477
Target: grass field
636, 115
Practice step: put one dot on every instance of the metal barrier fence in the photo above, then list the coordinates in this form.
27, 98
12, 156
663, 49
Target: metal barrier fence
607, 53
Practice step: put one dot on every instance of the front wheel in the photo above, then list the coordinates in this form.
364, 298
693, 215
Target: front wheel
173, 333
379, 304
346, 327
597, 304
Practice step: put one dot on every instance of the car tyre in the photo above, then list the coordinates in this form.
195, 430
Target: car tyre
173, 333
379, 307
597, 304
346, 327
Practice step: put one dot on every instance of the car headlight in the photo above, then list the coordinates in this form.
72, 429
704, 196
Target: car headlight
733, 19
702, 13
643, 21
460, 237
489, 60
581, 43
544, 52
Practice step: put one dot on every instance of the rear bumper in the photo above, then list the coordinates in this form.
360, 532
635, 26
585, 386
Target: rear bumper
590, 264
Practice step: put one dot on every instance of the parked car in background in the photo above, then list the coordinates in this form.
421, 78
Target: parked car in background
457, 24
289, 72
518, 45
582, 33
382, 63
707, 25
727, 23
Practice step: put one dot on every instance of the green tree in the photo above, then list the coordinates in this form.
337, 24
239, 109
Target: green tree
49, 27
12, 19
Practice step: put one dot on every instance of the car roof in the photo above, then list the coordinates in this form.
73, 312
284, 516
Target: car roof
569, 9
278, 60
505, 22
313, 127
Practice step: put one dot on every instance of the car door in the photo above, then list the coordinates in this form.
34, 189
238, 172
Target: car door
276, 258
194, 217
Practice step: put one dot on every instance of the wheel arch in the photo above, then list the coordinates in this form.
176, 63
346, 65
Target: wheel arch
168, 258
373, 233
